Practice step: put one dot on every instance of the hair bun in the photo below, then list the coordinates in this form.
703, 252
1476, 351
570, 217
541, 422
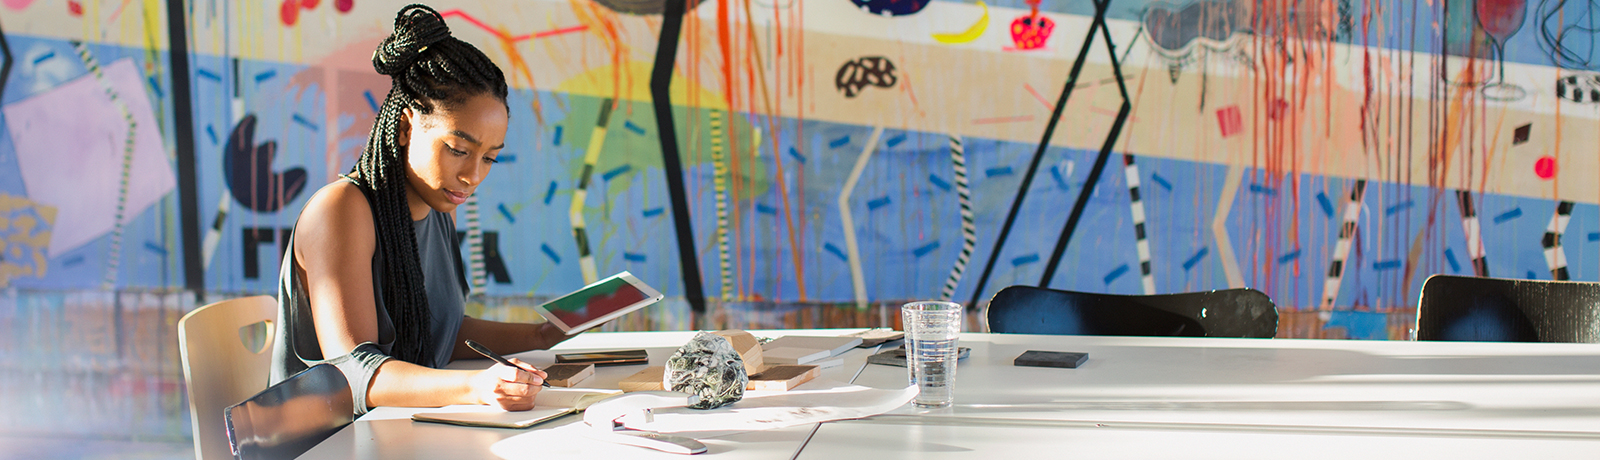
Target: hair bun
415, 28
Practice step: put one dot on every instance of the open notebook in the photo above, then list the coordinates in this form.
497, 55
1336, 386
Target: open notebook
547, 405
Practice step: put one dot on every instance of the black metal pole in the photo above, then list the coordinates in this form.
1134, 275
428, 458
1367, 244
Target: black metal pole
183, 142
660, 95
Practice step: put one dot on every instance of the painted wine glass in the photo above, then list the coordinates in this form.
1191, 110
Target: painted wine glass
1501, 19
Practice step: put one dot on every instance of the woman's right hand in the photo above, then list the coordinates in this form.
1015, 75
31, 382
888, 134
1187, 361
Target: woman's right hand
510, 388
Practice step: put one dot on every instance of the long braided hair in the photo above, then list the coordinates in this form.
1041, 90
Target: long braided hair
429, 69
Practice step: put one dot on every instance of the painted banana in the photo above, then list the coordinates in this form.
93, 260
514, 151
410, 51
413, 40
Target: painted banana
971, 33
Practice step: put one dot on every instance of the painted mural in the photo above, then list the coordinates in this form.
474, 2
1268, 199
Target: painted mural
825, 160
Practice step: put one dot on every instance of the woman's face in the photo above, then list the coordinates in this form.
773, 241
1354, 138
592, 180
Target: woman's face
449, 152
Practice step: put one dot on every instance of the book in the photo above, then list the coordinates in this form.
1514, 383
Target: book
782, 377
549, 404
790, 355
568, 375
877, 336
833, 345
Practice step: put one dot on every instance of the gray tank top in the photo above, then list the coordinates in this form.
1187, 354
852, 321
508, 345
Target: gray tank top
295, 346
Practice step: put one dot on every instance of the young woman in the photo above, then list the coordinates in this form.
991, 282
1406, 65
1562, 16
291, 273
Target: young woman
372, 281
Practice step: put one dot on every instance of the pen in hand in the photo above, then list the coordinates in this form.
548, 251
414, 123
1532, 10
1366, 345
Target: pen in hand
487, 353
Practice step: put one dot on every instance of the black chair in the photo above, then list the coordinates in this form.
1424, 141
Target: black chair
1225, 313
290, 418
1463, 308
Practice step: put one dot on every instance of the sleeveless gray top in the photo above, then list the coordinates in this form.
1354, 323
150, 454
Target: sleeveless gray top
295, 347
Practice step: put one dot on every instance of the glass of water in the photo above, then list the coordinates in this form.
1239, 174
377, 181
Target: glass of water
932, 328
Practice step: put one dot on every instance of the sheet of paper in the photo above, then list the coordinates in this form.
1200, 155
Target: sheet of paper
820, 400
70, 143
493, 419
577, 398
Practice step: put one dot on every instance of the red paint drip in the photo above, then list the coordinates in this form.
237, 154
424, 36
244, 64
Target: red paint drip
344, 6
1545, 167
289, 12
75, 8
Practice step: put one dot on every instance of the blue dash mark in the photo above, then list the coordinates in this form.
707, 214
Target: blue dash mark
764, 209
1327, 205
1264, 190
840, 142
925, 249
559, 130
1055, 172
74, 260
550, 252
207, 74
893, 141
835, 251
155, 85
304, 122
628, 124
937, 182
1024, 260
156, 248
371, 101
1508, 215
878, 203
550, 193
616, 172
1162, 181
656, 211
1386, 265
1195, 259
504, 211
631, 257
1289, 257
506, 158
1404, 205
1450, 256
1000, 171
44, 57
1116, 273
1532, 275
797, 156
211, 132
266, 75
1594, 236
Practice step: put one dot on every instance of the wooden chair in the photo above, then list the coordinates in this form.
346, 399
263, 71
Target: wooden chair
1223, 313
291, 417
1462, 308
221, 367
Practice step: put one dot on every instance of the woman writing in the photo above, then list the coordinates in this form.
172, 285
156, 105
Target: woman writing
372, 281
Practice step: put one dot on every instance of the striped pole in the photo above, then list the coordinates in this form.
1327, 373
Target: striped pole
1473, 231
214, 234
720, 184
114, 259
969, 229
1554, 256
1140, 235
1341, 250
591, 159
475, 246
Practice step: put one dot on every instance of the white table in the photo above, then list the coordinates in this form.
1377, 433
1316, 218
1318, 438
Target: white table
389, 433
1139, 398
1244, 398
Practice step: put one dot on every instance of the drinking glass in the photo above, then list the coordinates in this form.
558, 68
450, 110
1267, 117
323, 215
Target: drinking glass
932, 329
1501, 19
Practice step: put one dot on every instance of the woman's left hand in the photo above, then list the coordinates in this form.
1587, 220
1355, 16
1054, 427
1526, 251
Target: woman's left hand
550, 336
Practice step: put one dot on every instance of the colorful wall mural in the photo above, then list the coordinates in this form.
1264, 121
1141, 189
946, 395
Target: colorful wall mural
830, 159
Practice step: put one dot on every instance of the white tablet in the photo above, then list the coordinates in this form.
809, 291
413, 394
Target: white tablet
599, 302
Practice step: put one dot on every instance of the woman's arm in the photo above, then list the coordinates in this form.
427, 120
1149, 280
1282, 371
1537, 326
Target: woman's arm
505, 338
334, 243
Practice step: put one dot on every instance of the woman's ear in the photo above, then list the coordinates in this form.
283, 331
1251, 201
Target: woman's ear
403, 128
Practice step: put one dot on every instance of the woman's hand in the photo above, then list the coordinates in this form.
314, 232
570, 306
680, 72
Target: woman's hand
510, 388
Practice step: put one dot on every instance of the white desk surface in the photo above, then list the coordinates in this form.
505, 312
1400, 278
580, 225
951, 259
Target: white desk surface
1136, 397
389, 433
1140, 397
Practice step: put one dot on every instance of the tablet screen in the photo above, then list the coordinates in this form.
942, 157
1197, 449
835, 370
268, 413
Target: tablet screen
595, 302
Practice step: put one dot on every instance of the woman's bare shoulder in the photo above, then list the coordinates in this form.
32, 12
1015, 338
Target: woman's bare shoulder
337, 217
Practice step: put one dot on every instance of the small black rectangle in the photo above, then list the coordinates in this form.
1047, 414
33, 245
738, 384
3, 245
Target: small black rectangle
606, 358
1062, 359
